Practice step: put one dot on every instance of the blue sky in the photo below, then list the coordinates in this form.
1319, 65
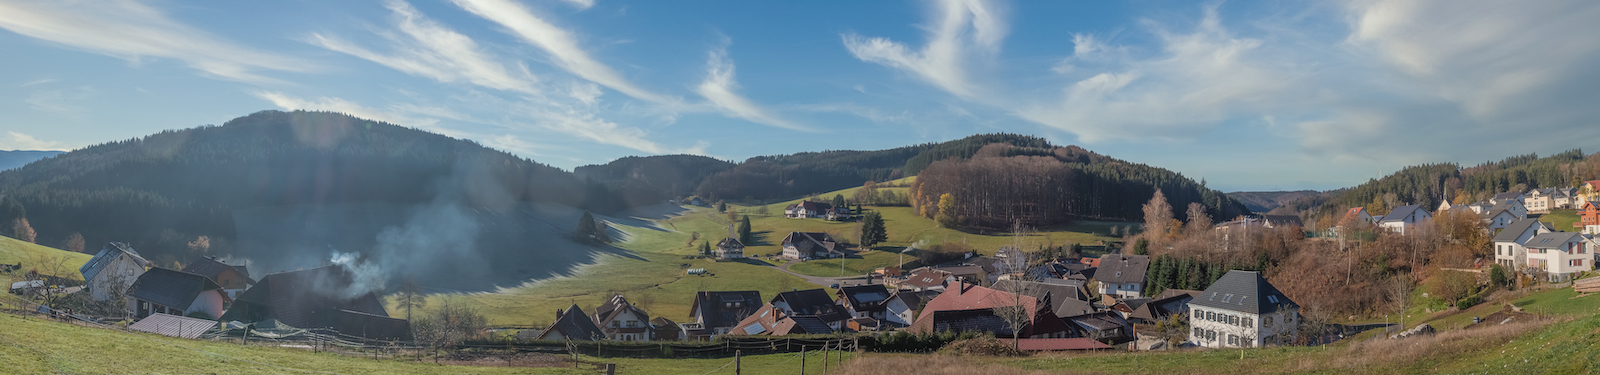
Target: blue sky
1248, 95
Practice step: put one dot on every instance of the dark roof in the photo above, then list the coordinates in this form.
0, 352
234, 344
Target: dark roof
810, 324
817, 240
616, 306
1283, 220
1511, 232
377, 327
108, 254
1162, 308
174, 289
1552, 240
729, 242
865, 297
1506, 195
305, 298
813, 302
715, 313
1400, 213
1498, 208
1243, 291
573, 324
1122, 269
1174, 292
927, 277
978, 320
212, 268
1066, 296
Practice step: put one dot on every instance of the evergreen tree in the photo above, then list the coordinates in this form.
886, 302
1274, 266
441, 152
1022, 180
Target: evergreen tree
722, 206
744, 230
705, 248
1141, 247
873, 231
586, 229
1216, 273
838, 201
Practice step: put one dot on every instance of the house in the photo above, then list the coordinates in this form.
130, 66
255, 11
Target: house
810, 245
1242, 309
109, 274
1588, 191
1281, 221
1404, 219
1508, 243
164, 291
1240, 223
1499, 217
1160, 309
878, 303
1067, 297
1589, 218
1107, 327
967, 307
1122, 275
571, 325
1480, 207
621, 321
730, 247
1559, 254
1539, 201
926, 279
1564, 198
1506, 197
1353, 219
322, 297
808, 210
233, 279
773, 321
813, 303
716, 313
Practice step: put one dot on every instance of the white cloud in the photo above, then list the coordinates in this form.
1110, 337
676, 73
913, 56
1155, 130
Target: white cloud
965, 30
559, 43
19, 141
580, 4
130, 30
291, 103
719, 87
430, 50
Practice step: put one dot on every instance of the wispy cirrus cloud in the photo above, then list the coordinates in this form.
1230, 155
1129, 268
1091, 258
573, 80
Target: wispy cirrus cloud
963, 31
719, 87
131, 30
331, 104
559, 43
425, 48
19, 141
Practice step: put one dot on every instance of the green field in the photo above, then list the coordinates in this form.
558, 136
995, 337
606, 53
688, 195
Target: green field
1561, 219
13, 251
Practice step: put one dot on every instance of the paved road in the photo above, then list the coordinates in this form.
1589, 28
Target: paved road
821, 280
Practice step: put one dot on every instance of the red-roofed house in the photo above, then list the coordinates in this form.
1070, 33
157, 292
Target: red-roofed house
1589, 223
966, 307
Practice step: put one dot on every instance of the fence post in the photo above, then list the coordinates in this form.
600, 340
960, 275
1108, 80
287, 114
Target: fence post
611, 369
824, 357
802, 360
736, 363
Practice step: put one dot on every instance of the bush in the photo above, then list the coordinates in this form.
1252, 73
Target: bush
989, 346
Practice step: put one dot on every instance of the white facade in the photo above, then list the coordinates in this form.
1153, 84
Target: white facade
1563, 259
1407, 224
114, 280
1221, 328
1512, 254
1501, 219
627, 319
1125, 290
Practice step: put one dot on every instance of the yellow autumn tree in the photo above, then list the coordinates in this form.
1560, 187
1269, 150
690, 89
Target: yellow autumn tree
947, 212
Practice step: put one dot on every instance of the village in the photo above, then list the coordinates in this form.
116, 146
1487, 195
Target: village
1034, 300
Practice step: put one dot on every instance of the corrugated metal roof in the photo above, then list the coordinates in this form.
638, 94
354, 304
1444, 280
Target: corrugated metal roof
173, 325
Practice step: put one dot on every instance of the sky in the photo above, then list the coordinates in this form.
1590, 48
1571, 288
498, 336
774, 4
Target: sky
1269, 95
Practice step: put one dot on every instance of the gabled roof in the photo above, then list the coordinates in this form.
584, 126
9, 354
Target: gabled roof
211, 267
812, 302
1162, 308
1282, 220
304, 298
714, 310
1510, 195
1066, 296
1122, 268
1552, 240
1400, 213
107, 255
614, 307
1243, 291
770, 321
927, 278
573, 324
1511, 232
729, 242
819, 240
173, 289
865, 297
971, 298
814, 206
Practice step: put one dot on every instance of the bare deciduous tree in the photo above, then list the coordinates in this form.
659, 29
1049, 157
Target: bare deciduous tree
21, 230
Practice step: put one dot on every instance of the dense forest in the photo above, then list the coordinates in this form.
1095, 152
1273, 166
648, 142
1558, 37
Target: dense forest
789, 176
1429, 184
643, 180
1004, 183
165, 190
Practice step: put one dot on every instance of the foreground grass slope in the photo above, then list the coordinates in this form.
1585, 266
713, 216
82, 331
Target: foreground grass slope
13, 251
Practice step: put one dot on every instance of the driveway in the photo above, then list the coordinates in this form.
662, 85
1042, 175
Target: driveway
824, 282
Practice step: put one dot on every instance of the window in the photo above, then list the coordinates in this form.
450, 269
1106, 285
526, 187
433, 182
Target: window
1234, 320
1577, 262
1227, 298
1247, 322
1199, 315
1272, 298
1233, 340
1198, 333
1211, 316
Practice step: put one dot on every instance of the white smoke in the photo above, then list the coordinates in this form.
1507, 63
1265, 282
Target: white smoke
365, 277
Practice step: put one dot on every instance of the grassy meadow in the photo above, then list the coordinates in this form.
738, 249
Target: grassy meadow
13, 251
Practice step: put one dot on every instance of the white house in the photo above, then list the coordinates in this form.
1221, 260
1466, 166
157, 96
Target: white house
1507, 197
1404, 219
621, 321
1539, 201
1122, 275
110, 273
808, 210
1560, 254
1499, 219
878, 303
1242, 309
1509, 251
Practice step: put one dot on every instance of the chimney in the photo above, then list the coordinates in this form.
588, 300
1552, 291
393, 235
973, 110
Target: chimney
961, 284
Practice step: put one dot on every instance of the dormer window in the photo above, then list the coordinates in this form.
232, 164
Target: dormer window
1227, 298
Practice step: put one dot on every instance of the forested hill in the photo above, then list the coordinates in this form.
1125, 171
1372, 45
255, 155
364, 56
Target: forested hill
1429, 184
164, 190
790, 176
653, 178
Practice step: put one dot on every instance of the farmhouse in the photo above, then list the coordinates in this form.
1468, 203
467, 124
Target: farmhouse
716, 313
810, 245
110, 273
179, 293
1242, 309
1122, 275
621, 321
233, 279
1281, 221
322, 297
814, 303
571, 324
808, 210
966, 307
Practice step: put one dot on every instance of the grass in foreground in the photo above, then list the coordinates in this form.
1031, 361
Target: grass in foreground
13, 251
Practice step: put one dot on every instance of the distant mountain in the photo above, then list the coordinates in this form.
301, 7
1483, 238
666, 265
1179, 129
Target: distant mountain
17, 159
162, 191
642, 179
